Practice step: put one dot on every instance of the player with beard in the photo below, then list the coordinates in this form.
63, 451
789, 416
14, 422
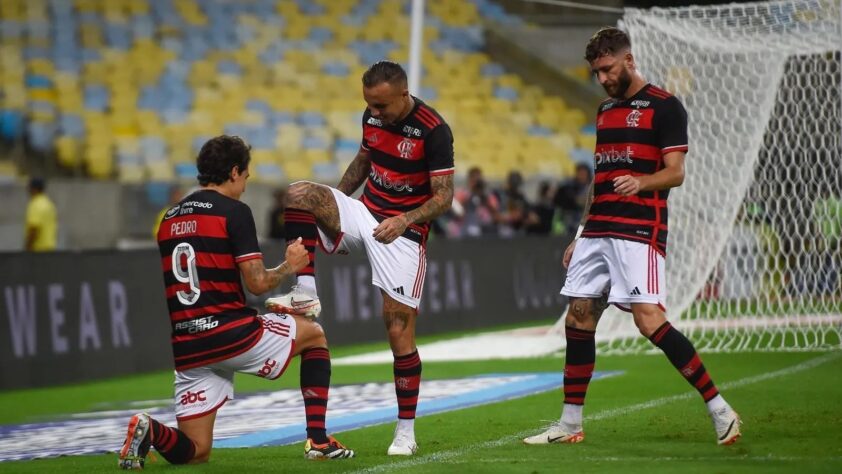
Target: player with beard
618, 255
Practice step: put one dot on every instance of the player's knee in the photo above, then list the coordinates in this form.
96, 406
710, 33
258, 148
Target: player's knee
580, 314
297, 192
202, 455
648, 320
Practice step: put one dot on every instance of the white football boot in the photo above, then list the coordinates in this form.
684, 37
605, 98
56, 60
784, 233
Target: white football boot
297, 301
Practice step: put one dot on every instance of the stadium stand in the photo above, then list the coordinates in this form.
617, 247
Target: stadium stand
131, 88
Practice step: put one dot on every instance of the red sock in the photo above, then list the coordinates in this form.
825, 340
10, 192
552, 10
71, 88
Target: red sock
407, 369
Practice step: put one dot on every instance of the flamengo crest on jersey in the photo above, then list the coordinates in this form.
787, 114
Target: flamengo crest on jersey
632, 137
404, 157
202, 239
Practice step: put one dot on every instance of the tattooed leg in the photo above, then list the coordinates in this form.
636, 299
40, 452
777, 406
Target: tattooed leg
400, 324
584, 313
318, 200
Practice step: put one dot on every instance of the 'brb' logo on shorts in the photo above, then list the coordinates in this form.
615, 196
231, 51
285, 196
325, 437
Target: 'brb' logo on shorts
191, 397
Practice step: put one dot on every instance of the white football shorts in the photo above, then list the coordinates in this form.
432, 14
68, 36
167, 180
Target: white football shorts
202, 390
398, 268
630, 272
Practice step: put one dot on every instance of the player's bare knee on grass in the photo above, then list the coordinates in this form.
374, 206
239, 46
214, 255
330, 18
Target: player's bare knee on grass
201, 457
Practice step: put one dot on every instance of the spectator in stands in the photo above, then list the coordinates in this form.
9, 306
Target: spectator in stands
276, 215
481, 208
514, 207
41, 219
543, 212
175, 196
572, 196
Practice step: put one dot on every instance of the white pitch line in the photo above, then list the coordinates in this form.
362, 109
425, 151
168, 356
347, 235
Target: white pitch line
604, 414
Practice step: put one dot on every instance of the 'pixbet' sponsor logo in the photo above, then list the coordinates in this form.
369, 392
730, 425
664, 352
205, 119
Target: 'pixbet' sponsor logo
193, 397
197, 325
386, 182
612, 155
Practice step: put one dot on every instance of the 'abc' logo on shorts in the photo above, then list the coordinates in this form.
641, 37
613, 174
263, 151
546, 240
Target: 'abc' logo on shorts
267, 368
191, 397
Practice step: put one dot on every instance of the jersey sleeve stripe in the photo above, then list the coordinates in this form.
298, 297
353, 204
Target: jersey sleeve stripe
424, 119
248, 256
674, 148
430, 115
442, 172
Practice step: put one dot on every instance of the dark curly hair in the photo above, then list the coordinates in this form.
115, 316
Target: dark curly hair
608, 40
219, 156
384, 71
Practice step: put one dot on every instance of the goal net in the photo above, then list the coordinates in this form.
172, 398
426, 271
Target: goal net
755, 251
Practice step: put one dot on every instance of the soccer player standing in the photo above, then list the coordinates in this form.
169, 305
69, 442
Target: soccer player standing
640, 147
407, 156
207, 241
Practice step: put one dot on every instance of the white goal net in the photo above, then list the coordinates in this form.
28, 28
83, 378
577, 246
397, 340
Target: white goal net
754, 255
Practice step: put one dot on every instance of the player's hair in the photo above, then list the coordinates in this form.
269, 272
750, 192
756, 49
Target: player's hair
608, 40
384, 71
37, 184
219, 156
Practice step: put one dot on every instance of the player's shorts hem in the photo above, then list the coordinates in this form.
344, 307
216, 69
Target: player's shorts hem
625, 305
580, 295
181, 368
334, 245
413, 303
199, 415
286, 364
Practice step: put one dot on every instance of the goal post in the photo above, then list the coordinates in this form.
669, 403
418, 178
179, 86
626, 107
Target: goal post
754, 258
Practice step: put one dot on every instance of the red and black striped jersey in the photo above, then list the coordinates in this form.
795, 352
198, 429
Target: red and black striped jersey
632, 137
404, 156
202, 239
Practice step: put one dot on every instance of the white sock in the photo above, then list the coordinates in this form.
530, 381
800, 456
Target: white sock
406, 427
716, 403
308, 283
571, 417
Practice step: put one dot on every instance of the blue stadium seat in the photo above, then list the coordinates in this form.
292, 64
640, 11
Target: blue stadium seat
505, 93
71, 125
11, 124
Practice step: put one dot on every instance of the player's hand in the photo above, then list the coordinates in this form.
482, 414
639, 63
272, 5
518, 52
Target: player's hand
568, 254
626, 185
390, 229
296, 255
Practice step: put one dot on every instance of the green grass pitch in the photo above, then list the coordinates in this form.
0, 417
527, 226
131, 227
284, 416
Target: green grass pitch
639, 422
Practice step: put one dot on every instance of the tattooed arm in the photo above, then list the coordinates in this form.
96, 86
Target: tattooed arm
568, 253
356, 173
392, 228
442, 188
259, 279
587, 208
